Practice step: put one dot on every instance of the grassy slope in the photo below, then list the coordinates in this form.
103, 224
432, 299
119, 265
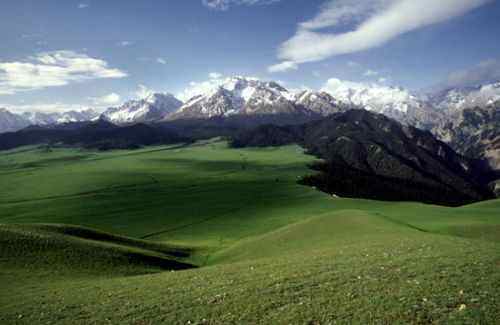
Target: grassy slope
276, 252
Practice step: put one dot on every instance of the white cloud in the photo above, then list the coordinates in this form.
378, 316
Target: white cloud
382, 80
372, 96
376, 22
83, 5
214, 75
226, 4
196, 88
370, 73
210, 86
110, 99
352, 64
125, 43
283, 67
486, 71
44, 107
143, 92
161, 61
52, 69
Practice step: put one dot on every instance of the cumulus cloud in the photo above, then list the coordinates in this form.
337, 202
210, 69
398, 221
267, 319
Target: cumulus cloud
83, 5
375, 23
486, 71
283, 67
197, 88
226, 4
143, 92
214, 75
125, 43
352, 64
371, 73
52, 69
161, 61
44, 107
110, 99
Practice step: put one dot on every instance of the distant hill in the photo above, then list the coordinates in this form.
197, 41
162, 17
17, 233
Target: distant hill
100, 135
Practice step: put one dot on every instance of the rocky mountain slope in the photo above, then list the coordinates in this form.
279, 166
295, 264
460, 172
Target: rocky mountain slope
475, 133
471, 121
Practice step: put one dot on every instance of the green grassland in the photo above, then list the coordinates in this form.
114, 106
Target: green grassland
205, 234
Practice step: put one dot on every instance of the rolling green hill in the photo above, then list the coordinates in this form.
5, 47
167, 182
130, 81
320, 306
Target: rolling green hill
258, 247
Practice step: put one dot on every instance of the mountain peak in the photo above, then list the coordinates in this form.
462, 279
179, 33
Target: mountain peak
251, 96
155, 106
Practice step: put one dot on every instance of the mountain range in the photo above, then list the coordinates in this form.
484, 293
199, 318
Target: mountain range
247, 96
464, 117
10, 122
250, 96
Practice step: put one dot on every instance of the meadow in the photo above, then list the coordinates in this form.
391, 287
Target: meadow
206, 234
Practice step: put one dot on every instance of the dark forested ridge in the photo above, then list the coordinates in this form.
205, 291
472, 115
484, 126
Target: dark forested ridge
100, 135
369, 155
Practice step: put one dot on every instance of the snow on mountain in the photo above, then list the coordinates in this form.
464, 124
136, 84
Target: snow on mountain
373, 97
455, 100
10, 122
242, 95
394, 102
41, 118
13, 122
154, 107
320, 102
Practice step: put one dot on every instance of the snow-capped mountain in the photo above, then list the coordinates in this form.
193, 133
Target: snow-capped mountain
454, 100
395, 102
320, 102
154, 107
471, 123
13, 122
40, 118
249, 96
475, 133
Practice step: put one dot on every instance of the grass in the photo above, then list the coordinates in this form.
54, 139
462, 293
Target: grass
266, 249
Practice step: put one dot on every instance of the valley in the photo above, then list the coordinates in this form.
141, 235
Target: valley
259, 247
213, 162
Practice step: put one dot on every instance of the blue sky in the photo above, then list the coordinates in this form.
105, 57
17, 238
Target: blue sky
92, 53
